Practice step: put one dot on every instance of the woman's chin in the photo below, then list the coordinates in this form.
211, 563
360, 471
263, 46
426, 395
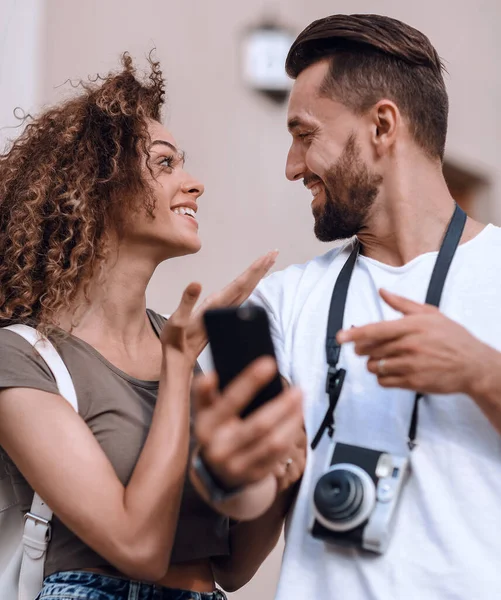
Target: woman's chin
194, 246
185, 249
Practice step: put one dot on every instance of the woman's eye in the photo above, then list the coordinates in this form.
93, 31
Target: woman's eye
167, 161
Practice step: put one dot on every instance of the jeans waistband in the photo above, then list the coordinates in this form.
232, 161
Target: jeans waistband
78, 582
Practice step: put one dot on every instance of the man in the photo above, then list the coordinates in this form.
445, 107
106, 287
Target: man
368, 119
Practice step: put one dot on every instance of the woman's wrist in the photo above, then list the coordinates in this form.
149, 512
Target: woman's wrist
243, 504
178, 362
252, 501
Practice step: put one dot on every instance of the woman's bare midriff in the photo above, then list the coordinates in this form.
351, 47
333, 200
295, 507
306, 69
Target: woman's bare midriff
196, 576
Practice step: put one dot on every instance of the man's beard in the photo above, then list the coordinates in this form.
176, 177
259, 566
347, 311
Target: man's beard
350, 191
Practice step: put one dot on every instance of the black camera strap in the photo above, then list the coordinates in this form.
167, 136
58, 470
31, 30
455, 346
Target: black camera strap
335, 375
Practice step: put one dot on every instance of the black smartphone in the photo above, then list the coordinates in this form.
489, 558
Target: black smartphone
237, 337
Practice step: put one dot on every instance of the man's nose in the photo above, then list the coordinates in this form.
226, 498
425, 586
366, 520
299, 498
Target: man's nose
295, 166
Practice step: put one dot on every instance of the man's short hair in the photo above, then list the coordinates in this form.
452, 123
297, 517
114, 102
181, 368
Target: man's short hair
374, 57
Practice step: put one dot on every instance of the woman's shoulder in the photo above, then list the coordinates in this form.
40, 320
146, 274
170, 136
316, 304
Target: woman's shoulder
13, 342
157, 320
21, 365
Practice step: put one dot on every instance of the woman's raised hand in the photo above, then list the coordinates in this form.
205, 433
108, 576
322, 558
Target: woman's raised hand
185, 333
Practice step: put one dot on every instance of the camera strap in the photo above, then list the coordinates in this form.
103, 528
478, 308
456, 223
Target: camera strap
335, 375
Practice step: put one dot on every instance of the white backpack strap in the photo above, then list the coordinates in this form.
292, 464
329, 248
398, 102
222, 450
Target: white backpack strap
37, 530
54, 361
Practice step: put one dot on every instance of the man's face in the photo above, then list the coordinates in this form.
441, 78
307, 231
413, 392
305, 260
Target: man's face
331, 152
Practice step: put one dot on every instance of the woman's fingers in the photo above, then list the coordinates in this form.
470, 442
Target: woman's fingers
214, 409
174, 331
265, 453
291, 468
205, 391
233, 294
189, 298
185, 317
241, 435
236, 396
244, 450
247, 281
243, 466
242, 287
241, 451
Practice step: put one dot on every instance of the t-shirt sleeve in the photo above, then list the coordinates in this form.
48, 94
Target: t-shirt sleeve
22, 366
269, 295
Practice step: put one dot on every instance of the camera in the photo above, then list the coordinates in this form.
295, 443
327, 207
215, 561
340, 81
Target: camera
355, 500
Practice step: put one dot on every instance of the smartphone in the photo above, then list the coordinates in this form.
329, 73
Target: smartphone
237, 337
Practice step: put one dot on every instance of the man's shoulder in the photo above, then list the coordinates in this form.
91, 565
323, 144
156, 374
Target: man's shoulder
492, 234
484, 247
489, 235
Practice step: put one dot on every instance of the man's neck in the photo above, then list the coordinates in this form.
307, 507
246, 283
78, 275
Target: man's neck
410, 218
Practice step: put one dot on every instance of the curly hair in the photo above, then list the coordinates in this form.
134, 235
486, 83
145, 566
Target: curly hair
74, 175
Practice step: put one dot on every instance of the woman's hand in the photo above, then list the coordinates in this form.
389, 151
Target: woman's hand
184, 332
246, 451
291, 471
179, 337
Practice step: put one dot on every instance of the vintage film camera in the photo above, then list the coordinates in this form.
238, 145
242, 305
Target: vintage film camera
355, 500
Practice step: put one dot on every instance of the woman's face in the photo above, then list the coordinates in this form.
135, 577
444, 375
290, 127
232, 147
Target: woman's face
174, 229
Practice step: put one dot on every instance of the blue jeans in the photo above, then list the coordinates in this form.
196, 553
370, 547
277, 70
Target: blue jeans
82, 585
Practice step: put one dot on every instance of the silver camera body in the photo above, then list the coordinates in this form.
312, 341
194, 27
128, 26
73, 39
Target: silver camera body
355, 500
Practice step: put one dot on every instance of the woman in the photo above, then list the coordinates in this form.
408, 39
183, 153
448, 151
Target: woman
93, 196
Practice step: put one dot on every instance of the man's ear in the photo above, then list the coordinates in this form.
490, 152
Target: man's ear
386, 120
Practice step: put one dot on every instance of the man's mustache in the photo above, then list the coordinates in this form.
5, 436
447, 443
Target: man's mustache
309, 179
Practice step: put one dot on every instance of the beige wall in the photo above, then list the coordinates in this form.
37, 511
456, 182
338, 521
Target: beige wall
21, 30
236, 140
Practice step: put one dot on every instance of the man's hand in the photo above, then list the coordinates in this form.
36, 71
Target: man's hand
424, 351
245, 451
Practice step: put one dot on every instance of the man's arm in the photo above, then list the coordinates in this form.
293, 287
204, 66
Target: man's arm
485, 386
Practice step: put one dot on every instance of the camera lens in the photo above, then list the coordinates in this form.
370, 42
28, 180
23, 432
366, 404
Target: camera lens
344, 497
339, 495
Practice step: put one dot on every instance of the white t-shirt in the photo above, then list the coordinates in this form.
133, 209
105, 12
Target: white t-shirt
447, 539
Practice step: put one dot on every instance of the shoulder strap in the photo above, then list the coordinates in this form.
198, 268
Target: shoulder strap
436, 287
53, 359
37, 529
